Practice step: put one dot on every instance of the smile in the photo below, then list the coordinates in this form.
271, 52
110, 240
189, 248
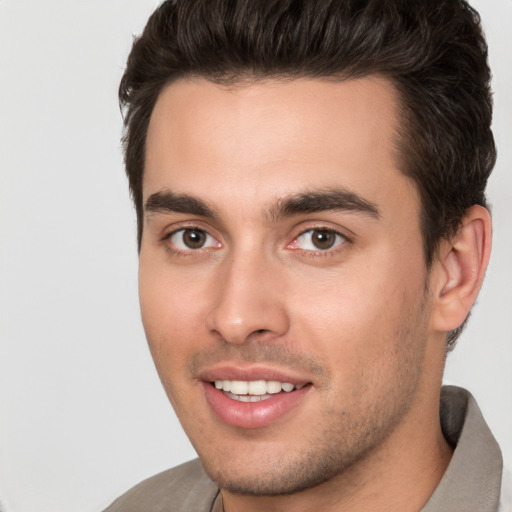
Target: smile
253, 403
254, 390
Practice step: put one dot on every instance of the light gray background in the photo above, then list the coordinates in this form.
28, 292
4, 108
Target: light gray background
82, 414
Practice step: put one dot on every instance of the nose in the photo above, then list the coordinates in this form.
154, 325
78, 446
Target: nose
250, 300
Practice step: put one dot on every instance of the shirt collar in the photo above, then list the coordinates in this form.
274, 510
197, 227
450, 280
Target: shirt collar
473, 479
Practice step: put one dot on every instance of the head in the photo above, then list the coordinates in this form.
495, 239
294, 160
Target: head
207, 71
434, 54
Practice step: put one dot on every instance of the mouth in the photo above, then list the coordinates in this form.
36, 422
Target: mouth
254, 390
254, 402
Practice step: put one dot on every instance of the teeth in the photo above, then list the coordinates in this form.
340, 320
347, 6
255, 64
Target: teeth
247, 398
239, 387
255, 388
287, 386
273, 386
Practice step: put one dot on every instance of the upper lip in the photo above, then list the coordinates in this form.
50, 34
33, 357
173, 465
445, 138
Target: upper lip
249, 373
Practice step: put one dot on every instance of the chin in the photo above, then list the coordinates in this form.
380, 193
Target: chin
278, 477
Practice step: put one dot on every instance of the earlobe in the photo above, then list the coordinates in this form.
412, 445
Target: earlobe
462, 263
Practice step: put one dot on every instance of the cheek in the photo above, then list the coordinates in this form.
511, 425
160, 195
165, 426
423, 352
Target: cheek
358, 320
168, 295
172, 315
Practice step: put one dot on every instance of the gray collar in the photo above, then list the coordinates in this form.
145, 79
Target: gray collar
473, 479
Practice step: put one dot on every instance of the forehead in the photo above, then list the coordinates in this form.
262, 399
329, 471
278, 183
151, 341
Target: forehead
264, 140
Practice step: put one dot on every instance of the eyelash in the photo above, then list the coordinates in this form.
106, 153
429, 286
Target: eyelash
319, 253
173, 250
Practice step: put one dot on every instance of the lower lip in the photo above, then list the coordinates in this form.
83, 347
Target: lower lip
252, 415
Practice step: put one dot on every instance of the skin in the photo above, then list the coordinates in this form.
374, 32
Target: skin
363, 322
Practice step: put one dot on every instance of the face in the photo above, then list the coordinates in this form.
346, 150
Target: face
282, 281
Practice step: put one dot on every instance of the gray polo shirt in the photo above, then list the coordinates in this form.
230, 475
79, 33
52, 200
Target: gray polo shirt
471, 483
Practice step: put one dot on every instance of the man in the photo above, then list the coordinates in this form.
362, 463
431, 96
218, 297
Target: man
309, 181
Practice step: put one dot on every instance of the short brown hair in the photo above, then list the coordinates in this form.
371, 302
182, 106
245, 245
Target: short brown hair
433, 51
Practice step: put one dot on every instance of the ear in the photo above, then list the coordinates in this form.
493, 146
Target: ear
460, 270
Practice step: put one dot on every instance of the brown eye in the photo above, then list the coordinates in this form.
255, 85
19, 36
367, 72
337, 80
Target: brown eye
322, 239
191, 239
318, 240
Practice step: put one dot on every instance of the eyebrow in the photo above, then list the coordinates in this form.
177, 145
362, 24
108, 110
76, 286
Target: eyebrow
332, 199
166, 201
